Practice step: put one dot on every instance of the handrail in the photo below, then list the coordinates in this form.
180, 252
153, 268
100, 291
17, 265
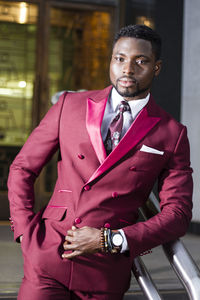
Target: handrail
180, 259
144, 280
182, 262
184, 267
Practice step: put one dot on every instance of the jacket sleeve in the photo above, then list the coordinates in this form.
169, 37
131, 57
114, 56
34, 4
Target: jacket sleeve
175, 188
36, 152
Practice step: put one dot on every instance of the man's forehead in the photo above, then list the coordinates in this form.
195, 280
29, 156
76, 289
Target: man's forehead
132, 45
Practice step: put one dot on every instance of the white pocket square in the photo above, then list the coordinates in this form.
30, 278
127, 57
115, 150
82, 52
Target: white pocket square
151, 150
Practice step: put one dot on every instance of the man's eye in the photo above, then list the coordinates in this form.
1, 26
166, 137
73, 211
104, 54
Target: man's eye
119, 58
141, 61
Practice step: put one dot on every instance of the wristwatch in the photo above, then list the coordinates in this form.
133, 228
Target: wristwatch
116, 240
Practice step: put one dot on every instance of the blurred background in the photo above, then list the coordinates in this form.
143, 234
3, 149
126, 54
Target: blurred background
47, 46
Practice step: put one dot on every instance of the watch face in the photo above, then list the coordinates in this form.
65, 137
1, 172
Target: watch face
117, 239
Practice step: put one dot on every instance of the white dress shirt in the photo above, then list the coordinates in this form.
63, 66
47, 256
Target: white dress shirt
110, 112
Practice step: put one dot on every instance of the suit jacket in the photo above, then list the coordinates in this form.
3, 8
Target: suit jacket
97, 191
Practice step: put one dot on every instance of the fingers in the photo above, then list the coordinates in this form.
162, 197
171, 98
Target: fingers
71, 231
81, 241
70, 239
67, 246
71, 255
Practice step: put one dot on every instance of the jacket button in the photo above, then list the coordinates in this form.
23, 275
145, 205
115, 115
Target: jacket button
133, 168
114, 194
77, 221
81, 156
87, 187
107, 225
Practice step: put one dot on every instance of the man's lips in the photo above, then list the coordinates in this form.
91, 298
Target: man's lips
127, 82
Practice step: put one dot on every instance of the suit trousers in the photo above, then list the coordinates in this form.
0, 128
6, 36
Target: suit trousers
49, 289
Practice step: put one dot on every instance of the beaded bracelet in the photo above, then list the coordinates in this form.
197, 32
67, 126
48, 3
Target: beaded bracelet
102, 240
105, 240
106, 244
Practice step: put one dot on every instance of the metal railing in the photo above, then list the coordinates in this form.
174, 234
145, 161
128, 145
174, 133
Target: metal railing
144, 280
180, 259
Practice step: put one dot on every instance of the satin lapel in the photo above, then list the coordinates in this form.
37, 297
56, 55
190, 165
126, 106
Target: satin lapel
140, 127
94, 116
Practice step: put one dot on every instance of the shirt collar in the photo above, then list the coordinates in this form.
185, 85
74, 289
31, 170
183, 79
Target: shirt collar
116, 98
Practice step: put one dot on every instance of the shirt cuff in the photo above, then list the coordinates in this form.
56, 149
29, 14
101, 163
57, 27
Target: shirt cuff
125, 243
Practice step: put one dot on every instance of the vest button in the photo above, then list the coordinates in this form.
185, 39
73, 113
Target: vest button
87, 187
133, 168
107, 225
77, 221
114, 194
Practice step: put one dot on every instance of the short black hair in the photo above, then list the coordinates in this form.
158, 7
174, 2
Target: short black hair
141, 32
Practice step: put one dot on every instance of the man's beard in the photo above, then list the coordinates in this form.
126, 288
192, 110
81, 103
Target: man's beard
127, 94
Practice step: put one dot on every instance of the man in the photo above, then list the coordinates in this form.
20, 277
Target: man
114, 144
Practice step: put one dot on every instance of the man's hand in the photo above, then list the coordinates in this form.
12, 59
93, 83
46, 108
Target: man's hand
82, 241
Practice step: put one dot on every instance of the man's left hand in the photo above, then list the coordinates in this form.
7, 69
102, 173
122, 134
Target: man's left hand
81, 241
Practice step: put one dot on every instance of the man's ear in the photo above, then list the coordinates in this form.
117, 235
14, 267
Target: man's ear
157, 67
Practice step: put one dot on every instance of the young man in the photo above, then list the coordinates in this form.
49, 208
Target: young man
114, 144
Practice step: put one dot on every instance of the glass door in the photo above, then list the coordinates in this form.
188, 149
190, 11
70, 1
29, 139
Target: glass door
18, 28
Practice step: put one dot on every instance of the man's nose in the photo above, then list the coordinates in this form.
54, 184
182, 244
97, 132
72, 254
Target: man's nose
129, 68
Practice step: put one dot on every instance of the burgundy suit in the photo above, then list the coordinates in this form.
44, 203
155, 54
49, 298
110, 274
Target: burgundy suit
97, 191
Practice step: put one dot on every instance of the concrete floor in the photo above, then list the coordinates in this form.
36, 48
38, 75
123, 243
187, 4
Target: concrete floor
11, 267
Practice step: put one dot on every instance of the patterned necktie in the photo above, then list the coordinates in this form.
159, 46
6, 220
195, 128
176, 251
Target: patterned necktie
115, 128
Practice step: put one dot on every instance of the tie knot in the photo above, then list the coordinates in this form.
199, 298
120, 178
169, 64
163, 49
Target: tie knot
124, 106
